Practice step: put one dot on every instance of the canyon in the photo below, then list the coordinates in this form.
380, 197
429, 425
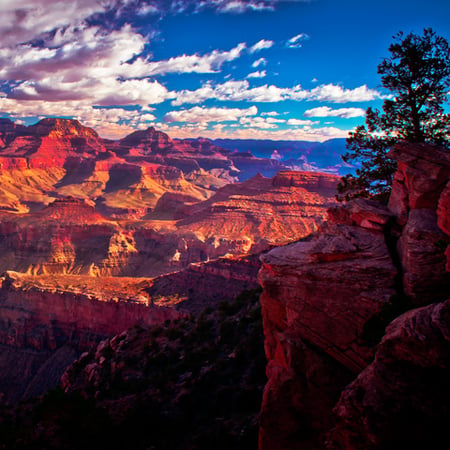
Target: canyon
120, 264
71, 202
97, 236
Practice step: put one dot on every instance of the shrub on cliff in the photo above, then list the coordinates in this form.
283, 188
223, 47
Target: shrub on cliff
418, 76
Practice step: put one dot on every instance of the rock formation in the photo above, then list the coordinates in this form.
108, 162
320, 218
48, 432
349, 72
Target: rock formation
147, 203
77, 236
326, 302
76, 209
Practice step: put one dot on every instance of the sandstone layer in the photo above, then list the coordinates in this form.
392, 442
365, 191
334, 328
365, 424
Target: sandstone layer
327, 301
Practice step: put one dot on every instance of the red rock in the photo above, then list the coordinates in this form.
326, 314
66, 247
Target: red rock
325, 295
361, 212
146, 141
318, 296
444, 217
401, 399
423, 171
76, 317
263, 209
421, 249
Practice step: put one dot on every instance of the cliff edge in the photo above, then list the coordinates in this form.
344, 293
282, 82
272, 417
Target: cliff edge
339, 376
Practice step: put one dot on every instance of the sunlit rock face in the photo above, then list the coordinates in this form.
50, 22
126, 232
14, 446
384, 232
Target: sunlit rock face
326, 302
46, 322
76, 210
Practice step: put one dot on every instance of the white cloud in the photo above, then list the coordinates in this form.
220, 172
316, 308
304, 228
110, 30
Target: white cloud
208, 63
241, 91
256, 132
258, 74
206, 115
24, 20
235, 91
257, 122
220, 6
299, 122
146, 9
111, 123
326, 111
259, 62
296, 41
337, 94
239, 6
261, 45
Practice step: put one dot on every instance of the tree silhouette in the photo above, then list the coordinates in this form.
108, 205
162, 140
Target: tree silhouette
417, 74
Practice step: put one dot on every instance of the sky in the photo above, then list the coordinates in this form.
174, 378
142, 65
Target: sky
253, 69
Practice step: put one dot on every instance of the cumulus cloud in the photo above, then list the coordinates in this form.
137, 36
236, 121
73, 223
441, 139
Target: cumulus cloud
259, 62
110, 123
207, 115
208, 63
312, 134
261, 122
337, 94
102, 67
297, 41
326, 111
23, 20
258, 74
261, 45
145, 9
300, 122
241, 91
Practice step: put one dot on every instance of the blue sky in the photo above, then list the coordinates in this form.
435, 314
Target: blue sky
264, 69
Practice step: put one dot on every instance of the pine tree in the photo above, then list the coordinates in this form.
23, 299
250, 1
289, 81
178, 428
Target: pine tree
417, 74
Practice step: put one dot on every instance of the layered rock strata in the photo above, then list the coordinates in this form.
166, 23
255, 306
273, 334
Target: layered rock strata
326, 302
44, 327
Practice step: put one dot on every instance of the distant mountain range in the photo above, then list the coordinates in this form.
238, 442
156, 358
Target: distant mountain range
301, 155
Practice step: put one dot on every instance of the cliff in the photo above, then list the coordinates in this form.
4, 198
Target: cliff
192, 383
327, 301
47, 322
261, 211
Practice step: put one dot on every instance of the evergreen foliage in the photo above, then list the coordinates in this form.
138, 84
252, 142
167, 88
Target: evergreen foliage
417, 74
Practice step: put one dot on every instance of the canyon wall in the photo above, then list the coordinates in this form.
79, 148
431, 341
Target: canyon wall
70, 235
47, 321
337, 377
43, 329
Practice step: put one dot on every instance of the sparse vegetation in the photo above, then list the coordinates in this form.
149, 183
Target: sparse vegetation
194, 383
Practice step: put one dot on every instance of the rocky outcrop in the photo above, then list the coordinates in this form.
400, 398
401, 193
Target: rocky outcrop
401, 399
421, 249
45, 317
276, 211
419, 183
326, 302
319, 296
192, 383
422, 173
47, 321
